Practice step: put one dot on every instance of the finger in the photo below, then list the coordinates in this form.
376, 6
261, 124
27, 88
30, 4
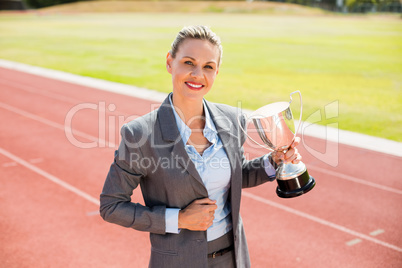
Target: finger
295, 142
207, 208
278, 156
297, 160
210, 223
205, 201
290, 153
291, 159
211, 219
211, 208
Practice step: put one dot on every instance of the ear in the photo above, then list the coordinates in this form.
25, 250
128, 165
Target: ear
169, 60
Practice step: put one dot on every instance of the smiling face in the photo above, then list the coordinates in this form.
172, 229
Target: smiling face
193, 69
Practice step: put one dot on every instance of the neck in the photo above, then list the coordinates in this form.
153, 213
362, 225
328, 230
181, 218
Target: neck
190, 111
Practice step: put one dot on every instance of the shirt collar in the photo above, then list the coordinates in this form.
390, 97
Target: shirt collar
210, 132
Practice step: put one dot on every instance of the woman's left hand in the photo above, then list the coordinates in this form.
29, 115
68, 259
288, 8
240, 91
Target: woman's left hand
291, 156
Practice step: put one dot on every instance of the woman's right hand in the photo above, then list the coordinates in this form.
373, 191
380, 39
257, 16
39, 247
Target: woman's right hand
198, 216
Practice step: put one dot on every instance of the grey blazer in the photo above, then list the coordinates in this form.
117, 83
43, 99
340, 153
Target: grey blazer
153, 156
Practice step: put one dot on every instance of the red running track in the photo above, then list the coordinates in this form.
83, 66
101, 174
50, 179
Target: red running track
50, 188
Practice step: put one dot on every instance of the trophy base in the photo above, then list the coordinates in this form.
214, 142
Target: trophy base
295, 186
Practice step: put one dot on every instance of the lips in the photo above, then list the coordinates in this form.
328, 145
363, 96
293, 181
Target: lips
194, 86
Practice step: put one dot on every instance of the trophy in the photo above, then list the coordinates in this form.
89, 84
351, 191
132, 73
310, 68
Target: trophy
275, 126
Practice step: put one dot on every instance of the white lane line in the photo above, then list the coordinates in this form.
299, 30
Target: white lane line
377, 232
32, 161
54, 124
93, 213
50, 177
341, 175
94, 83
33, 90
353, 242
10, 164
357, 180
321, 221
39, 91
36, 160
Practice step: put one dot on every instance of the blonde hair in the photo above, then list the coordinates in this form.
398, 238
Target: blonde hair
196, 32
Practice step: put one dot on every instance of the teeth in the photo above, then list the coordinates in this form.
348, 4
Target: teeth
192, 85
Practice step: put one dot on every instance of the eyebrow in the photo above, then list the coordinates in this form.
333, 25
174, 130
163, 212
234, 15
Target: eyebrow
209, 62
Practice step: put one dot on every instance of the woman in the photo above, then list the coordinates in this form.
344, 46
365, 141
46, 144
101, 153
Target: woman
187, 156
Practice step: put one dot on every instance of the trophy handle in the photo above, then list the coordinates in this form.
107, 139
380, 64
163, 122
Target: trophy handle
245, 132
301, 110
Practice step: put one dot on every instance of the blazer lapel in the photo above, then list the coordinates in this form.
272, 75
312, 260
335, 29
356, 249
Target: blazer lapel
171, 135
227, 133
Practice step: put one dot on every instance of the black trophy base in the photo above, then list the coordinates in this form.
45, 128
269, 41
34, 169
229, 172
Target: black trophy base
296, 186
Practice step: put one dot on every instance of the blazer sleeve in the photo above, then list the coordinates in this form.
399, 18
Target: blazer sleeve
253, 171
123, 177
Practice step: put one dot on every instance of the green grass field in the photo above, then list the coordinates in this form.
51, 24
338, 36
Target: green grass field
355, 60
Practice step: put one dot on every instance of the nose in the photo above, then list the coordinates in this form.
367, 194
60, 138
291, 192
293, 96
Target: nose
196, 72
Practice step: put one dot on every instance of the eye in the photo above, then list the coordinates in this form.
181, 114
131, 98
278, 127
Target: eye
187, 62
209, 67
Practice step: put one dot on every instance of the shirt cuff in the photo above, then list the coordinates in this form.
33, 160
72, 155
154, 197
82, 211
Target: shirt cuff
269, 168
172, 220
